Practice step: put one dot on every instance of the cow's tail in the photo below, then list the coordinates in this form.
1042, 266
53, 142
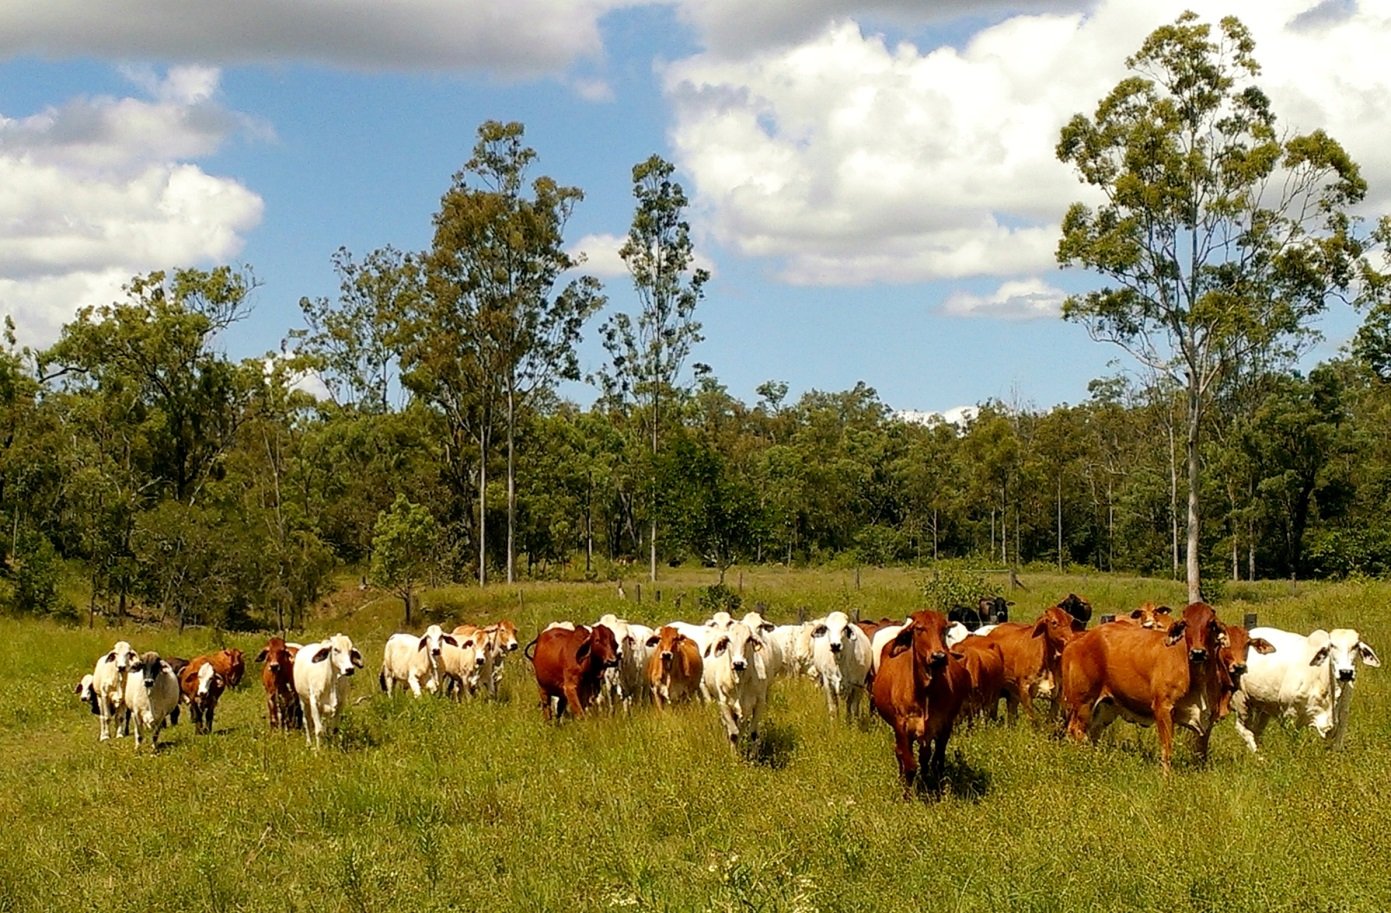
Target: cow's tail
381, 678
526, 651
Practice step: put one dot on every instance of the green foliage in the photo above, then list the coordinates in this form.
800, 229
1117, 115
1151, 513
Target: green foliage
948, 586
39, 576
403, 548
718, 598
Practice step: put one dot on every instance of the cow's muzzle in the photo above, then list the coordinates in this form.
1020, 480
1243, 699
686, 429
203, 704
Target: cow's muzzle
835, 648
1347, 675
938, 658
738, 665
1197, 656
1238, 670
512, 646
349, 671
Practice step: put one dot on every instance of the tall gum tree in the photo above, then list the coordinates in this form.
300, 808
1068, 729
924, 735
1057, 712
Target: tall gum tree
1219, 237
646, 355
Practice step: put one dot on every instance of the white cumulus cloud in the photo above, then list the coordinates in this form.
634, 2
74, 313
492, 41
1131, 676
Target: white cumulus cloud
99, 189
1021, 299
517, 38
847, 157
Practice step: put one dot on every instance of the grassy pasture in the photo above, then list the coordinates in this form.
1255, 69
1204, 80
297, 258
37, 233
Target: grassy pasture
430, 805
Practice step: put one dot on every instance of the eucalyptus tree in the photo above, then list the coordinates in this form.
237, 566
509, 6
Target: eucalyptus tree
1219, 237
495, 324
647, 353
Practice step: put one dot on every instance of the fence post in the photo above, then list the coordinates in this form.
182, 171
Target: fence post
639, 593
1250, 621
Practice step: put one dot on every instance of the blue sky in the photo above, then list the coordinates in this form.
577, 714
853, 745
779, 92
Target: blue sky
872, 183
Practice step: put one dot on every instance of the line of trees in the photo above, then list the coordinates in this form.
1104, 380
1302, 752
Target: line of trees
209, 490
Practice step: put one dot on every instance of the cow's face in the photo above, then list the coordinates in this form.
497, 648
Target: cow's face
1077, 607
739, 643
345, 657
1231, 659
123, 656
1056, 626
507, 636
759, 625
603, 646
148, 665
1201, 632
836, 631
1342, 652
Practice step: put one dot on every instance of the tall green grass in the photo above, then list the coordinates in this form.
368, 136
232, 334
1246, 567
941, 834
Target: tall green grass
429, 805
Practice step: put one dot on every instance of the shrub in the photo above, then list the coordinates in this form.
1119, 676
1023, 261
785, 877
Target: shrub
40, 570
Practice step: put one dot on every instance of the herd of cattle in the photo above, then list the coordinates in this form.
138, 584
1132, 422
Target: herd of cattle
923, 674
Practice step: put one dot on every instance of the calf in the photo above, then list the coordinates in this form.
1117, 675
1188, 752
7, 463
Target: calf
736, 680
842, 656
1077, 607
1306, 680
1146, 676
278, 680
919, 690
86, 694
1149, 615
994, 609
674, 667
461, 664
322, 672
569, 663
152, 694
202, 687
109, 680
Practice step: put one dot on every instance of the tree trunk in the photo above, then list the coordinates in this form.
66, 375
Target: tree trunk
1194, 522
1060, 523
652, 535
482, 508
511, 482
1173, 494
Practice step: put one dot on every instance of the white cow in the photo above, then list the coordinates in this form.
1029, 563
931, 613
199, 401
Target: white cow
461, 663
842, 656
321, 681
781, 655
611, 693
736, 679
629, 677
1307, 680
109, 687
502, 640
414, 660
152, 693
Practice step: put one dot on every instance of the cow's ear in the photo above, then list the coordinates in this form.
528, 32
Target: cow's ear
449, 639
757, 644
721, 645
468, 643
355, 657
1040, 626
1175, 633
1138, 613
261, 657
1164, 610
583, 651
1223, 640
767, 627
1369, 655
424, 642
818, 631
137, 666
653, 640
131, 656
1261, 645
321, 654
1320, 657
959, 657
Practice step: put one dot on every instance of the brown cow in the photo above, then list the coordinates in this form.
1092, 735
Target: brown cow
869, 627
568, 663
1146, 676
1033, 656
675, 668
278, 678
985, 665
919, 690
1149, 615
231, 664
201, 686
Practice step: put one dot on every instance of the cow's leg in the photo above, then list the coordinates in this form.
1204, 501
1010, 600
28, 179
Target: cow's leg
106, 719
1200, 744
573, 699
414, 681
1164, 725
907, 763
730, 718
310, 710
